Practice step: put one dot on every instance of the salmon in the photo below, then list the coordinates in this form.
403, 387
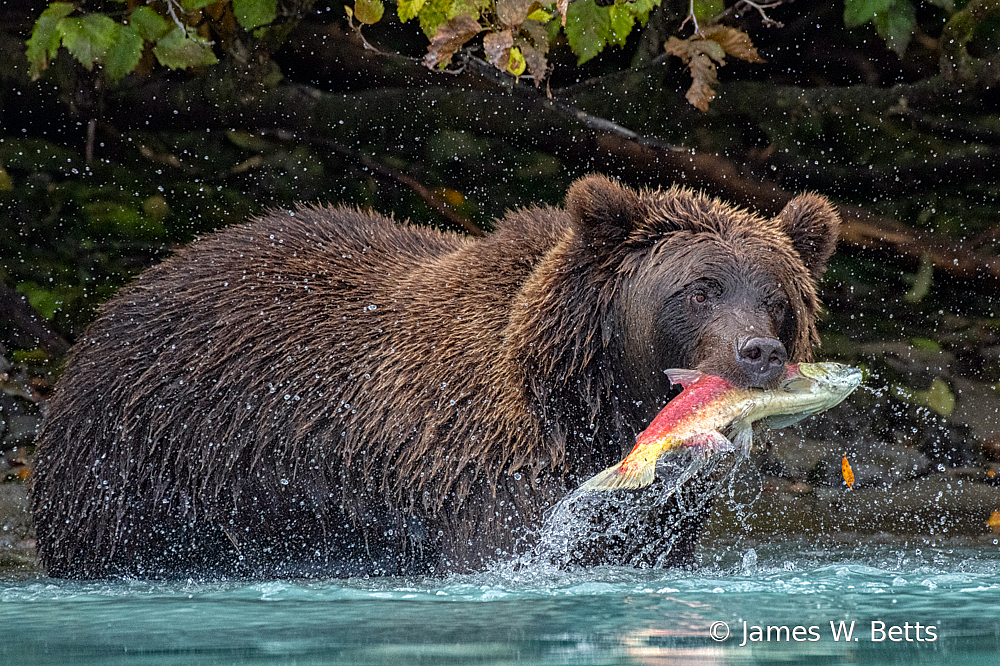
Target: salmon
709, 405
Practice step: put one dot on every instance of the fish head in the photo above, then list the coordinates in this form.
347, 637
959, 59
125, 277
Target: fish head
834, 379
809, 388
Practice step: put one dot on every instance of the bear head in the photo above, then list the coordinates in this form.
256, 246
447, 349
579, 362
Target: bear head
661, 279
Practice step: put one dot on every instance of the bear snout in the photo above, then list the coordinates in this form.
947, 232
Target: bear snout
761, 360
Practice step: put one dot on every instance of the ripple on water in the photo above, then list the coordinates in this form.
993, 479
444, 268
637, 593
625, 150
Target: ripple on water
542, 615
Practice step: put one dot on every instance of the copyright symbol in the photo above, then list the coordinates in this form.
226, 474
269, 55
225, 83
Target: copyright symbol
719, 631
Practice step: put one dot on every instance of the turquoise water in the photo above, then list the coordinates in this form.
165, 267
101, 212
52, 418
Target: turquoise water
534, 616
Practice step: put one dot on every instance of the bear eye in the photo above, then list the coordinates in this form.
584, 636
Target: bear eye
699, 298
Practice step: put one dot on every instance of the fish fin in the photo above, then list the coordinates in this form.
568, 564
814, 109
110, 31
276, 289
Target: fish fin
613, 478
783, 420
683, 377
743, 439
712, 440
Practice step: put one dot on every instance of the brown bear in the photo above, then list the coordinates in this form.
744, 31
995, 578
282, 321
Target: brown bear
323, 391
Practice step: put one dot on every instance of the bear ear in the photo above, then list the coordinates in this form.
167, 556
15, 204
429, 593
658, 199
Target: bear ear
812, 223
604, 209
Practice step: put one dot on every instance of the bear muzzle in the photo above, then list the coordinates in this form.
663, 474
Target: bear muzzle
761, 360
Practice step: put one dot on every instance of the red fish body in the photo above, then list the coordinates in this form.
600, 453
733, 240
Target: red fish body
682, 420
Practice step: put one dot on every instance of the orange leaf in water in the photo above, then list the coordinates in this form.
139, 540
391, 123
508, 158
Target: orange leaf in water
994, 520
845, 469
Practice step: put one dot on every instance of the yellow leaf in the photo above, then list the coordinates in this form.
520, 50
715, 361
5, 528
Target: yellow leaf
516, 64
369, 11
994, 522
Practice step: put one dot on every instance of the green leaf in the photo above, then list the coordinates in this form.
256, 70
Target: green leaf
45, 37
641, 9
195, 5
408, 9
88, 37
148, 24
895, 25
178, 50
44, 301
540, 15
938, 397
857, 12
254, 13
122, 220
926, 344
706, 10
922, 281
124, 53
470, 8
433, 15
622, 21
369, 11
587, 29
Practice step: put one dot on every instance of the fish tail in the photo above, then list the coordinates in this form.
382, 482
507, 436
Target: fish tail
615, 478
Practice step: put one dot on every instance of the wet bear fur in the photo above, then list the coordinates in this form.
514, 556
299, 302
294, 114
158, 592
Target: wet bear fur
324, 391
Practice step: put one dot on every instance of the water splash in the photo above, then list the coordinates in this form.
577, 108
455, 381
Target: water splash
653, 527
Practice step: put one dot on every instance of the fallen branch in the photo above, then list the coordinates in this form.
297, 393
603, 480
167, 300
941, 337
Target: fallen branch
587, 138
861, 228
956, 258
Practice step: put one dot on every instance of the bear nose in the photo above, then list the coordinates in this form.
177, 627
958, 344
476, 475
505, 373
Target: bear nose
762, 360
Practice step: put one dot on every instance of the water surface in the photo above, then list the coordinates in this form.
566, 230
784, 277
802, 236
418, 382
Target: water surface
535, 616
